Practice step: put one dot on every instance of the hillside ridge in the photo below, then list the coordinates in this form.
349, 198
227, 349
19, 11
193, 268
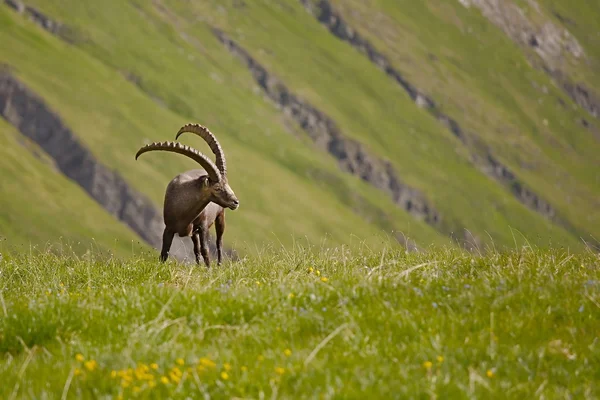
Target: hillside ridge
487, 162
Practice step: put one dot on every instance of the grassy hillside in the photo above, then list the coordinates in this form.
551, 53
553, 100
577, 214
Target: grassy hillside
138, 70
304, 324
269, 169
483, 79
41, 207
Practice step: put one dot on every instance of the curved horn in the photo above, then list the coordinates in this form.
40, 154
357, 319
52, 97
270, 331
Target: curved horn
187, 151
212, 141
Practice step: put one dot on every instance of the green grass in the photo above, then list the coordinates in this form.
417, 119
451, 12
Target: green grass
310, 322
38, 202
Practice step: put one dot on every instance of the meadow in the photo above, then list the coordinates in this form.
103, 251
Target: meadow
307, 322
87, 311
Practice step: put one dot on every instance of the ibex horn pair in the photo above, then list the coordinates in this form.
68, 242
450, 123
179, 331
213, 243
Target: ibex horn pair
215, 172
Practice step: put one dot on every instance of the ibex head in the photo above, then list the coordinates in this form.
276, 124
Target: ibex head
220, 192
214, 185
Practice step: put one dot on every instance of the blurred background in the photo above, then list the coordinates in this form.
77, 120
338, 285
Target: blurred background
466, 122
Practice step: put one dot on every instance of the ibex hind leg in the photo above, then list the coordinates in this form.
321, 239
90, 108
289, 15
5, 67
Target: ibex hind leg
196, 241
203, 236
167, 240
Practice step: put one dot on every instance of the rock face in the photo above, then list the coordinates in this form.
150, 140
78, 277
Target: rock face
36, 16
323, 11
59, 29
351, 155
550, 42
33, 118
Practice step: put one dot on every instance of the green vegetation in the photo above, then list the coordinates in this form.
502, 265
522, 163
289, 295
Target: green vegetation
136, 71
303, 323
323, 302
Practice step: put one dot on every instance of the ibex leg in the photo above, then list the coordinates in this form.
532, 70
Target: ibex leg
167, 240
220, 228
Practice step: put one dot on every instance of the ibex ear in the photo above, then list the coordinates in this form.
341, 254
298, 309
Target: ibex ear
204, 181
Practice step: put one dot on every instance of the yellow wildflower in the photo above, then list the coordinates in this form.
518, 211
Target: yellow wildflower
142, 367
174, 377
318, 273
140, 371
257, 283
176, 371
291, 296
224, 375
90, 365
79, 357
125, 383
244, 368
324, 279
310, 270
440, 359
151, 384
490, 373
154, 366
280, 370
180, 361
77, 372
207, 362
164, 380
136, 389
113, 374
287, 352
227, 367
428, 364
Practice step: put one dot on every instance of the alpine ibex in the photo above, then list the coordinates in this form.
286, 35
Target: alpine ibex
188, 197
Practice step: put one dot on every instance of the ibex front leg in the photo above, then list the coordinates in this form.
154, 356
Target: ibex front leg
167, 240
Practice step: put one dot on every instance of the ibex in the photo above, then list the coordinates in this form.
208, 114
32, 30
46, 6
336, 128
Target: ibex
187, 204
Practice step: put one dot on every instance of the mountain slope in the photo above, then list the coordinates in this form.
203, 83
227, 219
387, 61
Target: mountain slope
285, 187
320, 140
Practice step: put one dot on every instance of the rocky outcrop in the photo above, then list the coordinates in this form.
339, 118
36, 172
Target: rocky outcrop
487, 163
33, 118
64, 31
351, 155
35, 15
553, 44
